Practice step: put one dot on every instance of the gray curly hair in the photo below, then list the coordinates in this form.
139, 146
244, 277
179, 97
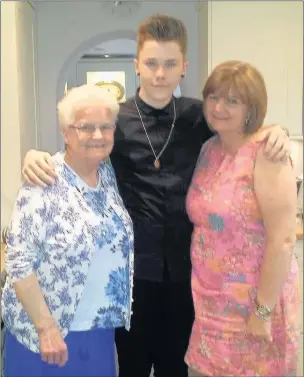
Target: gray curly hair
81, 96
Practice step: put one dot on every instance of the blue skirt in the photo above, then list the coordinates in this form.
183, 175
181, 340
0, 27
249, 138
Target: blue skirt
90, 353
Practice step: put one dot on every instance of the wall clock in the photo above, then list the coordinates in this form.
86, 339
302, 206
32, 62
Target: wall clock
113, 87
121, 7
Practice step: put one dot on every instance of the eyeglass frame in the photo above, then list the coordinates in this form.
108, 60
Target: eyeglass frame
103, 128
214, 98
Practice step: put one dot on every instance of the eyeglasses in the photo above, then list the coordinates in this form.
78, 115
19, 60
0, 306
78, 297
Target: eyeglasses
89, 129
228, 101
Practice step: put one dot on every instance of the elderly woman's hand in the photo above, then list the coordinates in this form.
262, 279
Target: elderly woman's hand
53, 349
259, 328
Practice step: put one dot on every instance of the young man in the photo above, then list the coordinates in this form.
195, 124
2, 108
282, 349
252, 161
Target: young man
157, 142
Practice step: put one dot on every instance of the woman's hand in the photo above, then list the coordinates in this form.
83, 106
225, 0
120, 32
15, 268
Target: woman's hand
53, 349
38, 168
259, 328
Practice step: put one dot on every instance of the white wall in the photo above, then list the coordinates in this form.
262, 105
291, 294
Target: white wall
10, 133
117, 46
297, 156
27, 80
63, 26
203, 43
18, 105
269, 35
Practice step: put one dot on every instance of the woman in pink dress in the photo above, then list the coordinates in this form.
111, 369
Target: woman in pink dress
245, 281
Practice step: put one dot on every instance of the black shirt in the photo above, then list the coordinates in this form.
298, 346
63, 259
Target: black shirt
155, 198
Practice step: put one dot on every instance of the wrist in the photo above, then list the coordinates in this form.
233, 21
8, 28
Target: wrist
45, 324
262, 301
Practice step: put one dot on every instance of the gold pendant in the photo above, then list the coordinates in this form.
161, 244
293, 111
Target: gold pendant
156, 164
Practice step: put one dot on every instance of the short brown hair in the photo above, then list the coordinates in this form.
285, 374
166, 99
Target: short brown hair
249, 85
162, 28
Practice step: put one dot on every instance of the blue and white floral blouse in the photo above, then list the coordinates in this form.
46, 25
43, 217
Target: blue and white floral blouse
79, 242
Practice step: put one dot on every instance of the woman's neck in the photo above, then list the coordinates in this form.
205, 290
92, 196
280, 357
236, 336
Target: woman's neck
232, 141
84, 169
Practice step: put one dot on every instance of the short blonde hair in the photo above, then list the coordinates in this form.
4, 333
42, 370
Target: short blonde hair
249, 85
80, 97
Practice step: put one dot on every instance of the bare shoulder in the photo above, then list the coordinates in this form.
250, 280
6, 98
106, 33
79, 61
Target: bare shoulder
270, 167
274, 178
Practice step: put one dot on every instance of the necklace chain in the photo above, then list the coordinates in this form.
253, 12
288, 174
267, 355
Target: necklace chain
157, 156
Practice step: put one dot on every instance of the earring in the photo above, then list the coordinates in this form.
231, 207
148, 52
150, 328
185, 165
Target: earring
137, 74
182, 75
247, 120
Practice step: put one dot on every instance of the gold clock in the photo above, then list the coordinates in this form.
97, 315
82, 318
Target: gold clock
114, 87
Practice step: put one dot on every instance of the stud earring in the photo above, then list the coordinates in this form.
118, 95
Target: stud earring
182, 75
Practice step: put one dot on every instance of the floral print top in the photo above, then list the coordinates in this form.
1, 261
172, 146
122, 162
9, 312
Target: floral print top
79, 242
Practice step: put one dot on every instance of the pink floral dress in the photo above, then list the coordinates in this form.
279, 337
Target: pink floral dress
227, 249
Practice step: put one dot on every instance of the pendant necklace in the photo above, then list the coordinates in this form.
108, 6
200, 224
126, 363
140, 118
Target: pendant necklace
157, 156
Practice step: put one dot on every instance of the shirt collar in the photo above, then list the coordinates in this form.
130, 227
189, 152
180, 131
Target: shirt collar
150, 110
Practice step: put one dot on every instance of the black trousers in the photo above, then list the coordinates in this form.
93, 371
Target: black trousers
160, 330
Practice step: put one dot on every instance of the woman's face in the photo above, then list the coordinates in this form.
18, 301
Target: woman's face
92, 135
225, 113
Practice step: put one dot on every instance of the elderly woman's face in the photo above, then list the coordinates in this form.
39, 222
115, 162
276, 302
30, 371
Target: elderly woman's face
92, 134
225, 113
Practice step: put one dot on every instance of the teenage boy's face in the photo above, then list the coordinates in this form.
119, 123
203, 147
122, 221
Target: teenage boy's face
160, 66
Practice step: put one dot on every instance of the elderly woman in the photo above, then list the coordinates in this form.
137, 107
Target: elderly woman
69, 255
243, 207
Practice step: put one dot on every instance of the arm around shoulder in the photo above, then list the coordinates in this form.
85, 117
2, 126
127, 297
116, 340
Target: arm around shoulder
38, 168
